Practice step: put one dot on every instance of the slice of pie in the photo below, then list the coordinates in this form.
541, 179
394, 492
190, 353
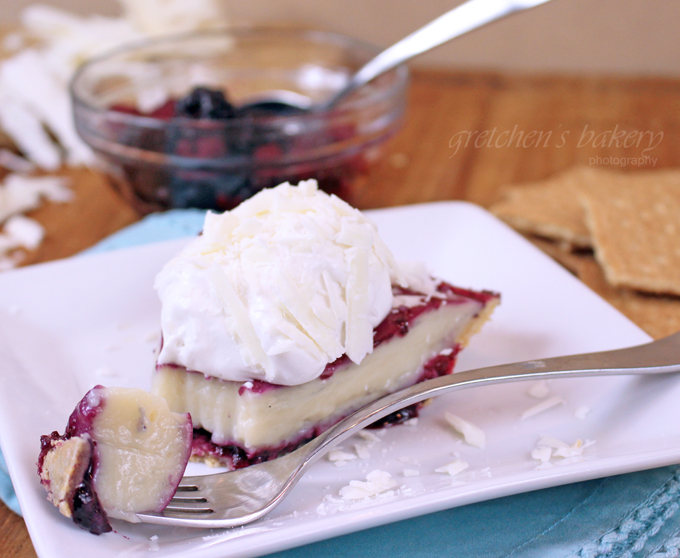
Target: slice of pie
237, 424
288, 313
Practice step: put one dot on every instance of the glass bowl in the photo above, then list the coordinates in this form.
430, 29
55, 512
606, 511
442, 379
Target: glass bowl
126, 108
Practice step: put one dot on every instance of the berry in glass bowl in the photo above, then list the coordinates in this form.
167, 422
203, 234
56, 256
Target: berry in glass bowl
168, 121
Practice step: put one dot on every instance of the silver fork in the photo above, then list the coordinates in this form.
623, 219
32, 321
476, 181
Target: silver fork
235, 498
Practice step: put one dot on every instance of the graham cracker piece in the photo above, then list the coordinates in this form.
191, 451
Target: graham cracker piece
658, 315
635, 228
567, 259
551, 208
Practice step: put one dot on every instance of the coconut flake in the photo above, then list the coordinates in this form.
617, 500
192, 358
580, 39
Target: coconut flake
376, 482
35, 80
10, 261
19, 193
28, 134
7, 243
548, 448
472, 434
340, 455
368, 436
359, 330
241, 327
27, 233
15, 163
28, 76
575, 450
418, 278
156, 17
452, 468
542, 454
543, 406
362, 451
539, 389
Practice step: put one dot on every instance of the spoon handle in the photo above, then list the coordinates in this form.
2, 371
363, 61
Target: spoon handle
458, 21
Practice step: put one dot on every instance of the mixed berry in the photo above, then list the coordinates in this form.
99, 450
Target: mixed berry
232, 162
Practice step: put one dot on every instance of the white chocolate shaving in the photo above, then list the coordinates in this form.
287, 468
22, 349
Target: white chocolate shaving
240, 325
452, 468
34, 81
27, 233
376, 482
539, 389
340, 455
471, 433
543, 406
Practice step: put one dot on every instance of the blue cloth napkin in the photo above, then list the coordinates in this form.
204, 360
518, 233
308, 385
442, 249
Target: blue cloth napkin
626, 516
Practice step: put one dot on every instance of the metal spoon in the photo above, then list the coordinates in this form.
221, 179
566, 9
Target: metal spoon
458, 21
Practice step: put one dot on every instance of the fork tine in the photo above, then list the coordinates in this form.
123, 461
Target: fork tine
189, 499
187, 488
171, 509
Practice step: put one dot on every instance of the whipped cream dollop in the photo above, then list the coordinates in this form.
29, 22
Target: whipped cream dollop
277, 288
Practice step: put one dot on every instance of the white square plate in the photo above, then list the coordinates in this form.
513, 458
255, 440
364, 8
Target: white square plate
68, 325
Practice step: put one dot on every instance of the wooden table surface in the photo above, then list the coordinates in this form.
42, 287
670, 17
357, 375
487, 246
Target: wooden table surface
465, 135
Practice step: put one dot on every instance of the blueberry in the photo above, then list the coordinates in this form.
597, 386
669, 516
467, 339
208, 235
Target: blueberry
272, 108
209, 190
203, 102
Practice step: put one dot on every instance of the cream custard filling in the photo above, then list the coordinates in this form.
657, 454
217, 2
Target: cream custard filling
138, 441
280, 415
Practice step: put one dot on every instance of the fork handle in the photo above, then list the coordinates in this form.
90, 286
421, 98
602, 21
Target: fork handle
657, 357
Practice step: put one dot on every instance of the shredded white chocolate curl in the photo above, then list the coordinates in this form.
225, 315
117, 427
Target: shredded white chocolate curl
543, 406
539, 389
35, 108
340, 456
368, 436
376, 482
542, 453
452, 468
15, 163
472, 434
362, 450
27, 233
549, 448
19, 194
